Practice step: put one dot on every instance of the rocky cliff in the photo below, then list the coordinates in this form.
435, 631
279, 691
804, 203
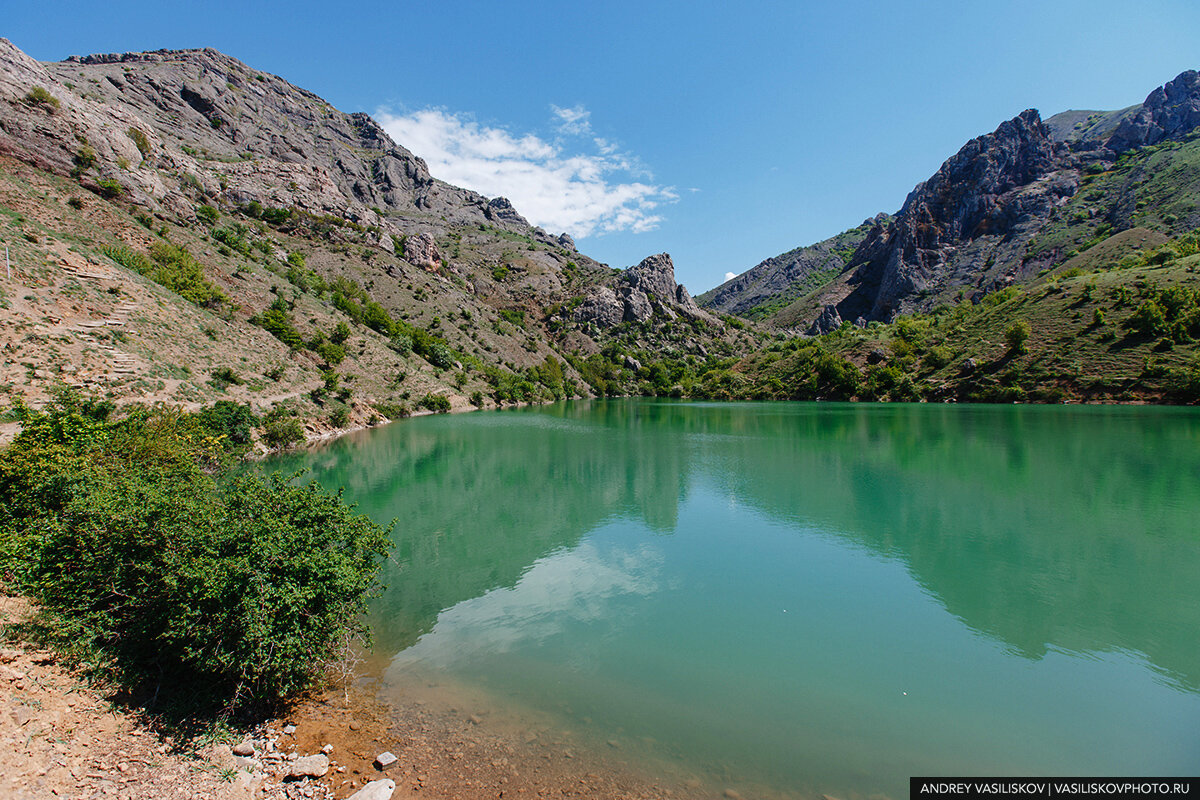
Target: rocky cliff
169, 124
639, 294
994, 215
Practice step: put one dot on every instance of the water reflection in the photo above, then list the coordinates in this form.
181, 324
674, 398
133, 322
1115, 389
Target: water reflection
760, 583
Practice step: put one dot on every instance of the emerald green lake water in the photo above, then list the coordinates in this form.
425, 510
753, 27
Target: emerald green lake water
804, 598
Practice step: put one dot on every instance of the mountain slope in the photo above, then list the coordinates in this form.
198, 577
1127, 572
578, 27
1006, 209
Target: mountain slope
185, 228
775, 282
1011, 204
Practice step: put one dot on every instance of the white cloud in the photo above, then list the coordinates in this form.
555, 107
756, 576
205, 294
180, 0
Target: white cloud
730, 276
572, 121
582, 193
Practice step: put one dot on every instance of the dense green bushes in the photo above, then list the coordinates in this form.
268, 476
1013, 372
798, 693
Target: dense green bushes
184, 588
173, 267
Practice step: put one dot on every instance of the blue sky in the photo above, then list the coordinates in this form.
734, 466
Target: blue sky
722, 133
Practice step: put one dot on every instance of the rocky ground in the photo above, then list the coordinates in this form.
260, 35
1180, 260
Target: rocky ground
63, 738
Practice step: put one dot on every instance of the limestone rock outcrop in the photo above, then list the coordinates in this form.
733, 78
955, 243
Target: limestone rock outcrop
640, 293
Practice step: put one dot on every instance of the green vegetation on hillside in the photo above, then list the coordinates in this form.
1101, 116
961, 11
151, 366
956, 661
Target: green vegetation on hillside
1123, 330
189, 587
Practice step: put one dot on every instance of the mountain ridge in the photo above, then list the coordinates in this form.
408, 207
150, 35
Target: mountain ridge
967, 227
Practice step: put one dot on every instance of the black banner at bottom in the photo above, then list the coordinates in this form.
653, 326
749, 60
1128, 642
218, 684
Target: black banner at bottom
1054, 788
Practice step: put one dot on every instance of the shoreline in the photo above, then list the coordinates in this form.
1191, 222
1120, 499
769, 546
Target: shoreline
65, 738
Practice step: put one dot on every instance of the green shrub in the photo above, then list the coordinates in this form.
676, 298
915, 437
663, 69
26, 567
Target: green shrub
232, 424
339, 417
393, 410
208, 213
224, 377
180, 587
281, 429
140, 139
435, 402
333, 354
276, 216
1149, 319
110, 188
1017, 337
233, 237
40, 96
173, 267
277, 321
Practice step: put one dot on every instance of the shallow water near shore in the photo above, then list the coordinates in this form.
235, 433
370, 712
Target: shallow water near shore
796, 599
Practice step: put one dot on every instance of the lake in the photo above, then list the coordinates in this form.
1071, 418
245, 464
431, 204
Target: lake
802, 598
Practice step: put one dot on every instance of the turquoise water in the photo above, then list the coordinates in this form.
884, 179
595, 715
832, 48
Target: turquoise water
808, 598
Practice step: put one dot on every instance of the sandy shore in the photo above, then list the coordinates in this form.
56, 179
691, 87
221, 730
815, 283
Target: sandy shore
61, 738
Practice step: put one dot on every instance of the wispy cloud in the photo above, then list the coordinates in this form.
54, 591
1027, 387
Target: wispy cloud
586, 189
572, 121
730, 276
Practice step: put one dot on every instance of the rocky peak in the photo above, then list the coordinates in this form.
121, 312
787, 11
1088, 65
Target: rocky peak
1170, 111
640, 292
210, 129
983, 190
501, 210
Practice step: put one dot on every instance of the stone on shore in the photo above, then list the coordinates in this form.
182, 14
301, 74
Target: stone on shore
309, 766
375, 790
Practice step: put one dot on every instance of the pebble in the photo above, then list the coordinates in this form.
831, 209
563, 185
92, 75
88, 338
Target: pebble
385, 760
244, 749
354, 725
289, 729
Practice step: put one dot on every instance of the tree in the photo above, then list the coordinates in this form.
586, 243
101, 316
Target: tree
1017, 337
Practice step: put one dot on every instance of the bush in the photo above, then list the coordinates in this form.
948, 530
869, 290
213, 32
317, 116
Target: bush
40, 96
224, 377
393, 410
1017, 337
435, 402
173, 267
140, 139
231, 423
180, 587
339, 417
110, 188
208, 213
281, 429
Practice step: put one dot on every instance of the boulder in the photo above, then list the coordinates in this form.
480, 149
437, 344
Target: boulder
827, 322
309, 766
422, 251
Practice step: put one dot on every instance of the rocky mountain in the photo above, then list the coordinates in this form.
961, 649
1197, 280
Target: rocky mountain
638, 295
771, 284
994, 214
176, 215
